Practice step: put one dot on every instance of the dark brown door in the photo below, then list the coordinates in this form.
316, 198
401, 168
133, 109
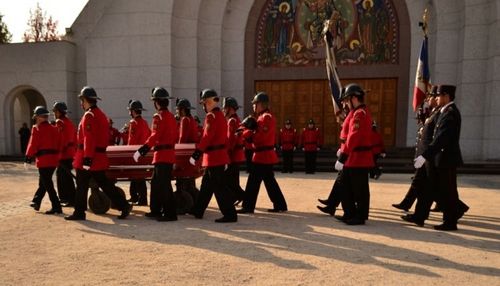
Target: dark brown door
302, 100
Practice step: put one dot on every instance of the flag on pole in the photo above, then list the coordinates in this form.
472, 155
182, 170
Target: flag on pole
331, 71
422, 78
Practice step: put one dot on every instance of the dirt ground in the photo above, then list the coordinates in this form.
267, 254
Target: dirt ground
300, 247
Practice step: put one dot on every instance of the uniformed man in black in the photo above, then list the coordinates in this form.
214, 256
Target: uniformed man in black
445, 155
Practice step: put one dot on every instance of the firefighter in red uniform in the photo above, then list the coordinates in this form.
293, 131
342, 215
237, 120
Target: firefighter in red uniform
163, 137
44, 145
188, 133
311, 143
67, 131
357, 157
114, 134
288, 144
235, 148
91, 160
138, 133
261, 133
213, 146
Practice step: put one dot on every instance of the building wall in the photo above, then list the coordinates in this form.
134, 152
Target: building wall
124, 48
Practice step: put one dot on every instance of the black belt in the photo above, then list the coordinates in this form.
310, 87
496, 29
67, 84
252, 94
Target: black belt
264, 148
71, 144
97, 149
362, 148
239, 146
46, 152
215, 147
164, 147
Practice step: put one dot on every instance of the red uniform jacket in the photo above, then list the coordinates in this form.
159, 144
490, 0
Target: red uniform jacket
92, 140
378, 143
114, 136
138, 131
213, 143
344, 131
235, 147
358, 146
311, 139
44, 145
164, 135
124, 136
263, 139
188, 130
67, 132
288, 139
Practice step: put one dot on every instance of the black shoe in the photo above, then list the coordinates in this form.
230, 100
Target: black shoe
411, 218
341, 218
152, 215
36, 206
462, 212
166, 218
75, 217
325, 202
354, 221
276, 210
132, 201
67, 205
142, 203
401, 207
54, 211
327, 210
227, 219
436, 209
446, 227
125, 212
237, 202
244, 211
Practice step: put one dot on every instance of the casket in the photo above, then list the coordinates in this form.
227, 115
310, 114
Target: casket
122, 166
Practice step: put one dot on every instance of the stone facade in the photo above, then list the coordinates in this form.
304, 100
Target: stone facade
124, 48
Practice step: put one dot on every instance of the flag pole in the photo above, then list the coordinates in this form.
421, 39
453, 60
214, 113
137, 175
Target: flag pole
331, 71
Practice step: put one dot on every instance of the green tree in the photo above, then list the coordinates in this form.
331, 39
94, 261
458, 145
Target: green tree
5, 35
40, 27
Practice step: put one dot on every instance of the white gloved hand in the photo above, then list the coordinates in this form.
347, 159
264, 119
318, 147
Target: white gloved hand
383, 155
225, 167
192, 161
136, 156
338, 152
317, 149
26, 166
419, 162
86, 168
339, 166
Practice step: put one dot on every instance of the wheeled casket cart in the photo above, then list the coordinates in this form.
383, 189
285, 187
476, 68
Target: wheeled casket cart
122, 167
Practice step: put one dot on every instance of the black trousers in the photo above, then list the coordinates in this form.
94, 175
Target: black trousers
213, 182
82, 186
65, 184
248, 157
310, 158
138, 192
259, 173
45, 184
356, 201
233, 181
287, 161
337, 192
162, 194
447, 194
418, 183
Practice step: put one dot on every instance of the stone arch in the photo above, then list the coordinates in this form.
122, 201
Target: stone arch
17, 109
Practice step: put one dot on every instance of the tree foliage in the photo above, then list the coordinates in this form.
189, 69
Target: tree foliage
40, 27
5, 35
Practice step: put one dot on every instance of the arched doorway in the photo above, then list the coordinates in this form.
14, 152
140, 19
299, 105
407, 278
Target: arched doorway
18, 109
284, 56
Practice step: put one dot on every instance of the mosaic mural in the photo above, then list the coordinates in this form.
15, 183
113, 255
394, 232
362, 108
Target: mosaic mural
289, 32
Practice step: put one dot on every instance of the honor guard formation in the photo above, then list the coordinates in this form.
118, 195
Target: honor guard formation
224, 142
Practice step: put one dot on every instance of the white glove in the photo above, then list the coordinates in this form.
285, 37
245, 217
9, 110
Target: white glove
317, 149
419, 162
338, 152
294, 148
192, 161
383, 155
136, 156
339, 166
225, 167
26, 166
86, 168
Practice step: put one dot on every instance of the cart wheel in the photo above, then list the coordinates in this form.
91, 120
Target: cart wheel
184, 201
99, 203
122, 194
